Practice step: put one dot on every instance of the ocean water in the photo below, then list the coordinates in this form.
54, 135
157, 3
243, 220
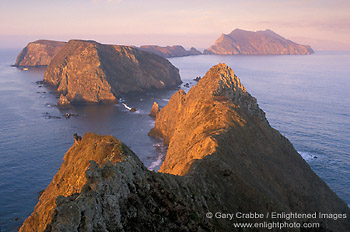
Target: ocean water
306, 98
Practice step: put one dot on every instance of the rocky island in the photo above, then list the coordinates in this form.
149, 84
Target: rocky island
90, 72
170, 51
223, 156
241, 42
38, 53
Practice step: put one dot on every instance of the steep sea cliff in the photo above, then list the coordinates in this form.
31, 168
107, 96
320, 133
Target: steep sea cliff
38, 53
90, 72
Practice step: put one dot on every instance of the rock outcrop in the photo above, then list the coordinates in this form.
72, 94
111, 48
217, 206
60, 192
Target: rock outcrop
71, 175
154, 110
103, 186
170, 51
223, 157
38, 53
256, 43
90, 72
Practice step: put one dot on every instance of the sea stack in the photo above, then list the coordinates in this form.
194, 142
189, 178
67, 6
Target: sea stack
38, 53
241, 42
154, 110
90, 72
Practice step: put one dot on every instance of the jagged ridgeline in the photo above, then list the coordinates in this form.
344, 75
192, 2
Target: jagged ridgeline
223, 156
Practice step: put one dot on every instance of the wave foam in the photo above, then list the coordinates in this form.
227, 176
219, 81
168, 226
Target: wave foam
162, 151
307, 156
156, 163
126, 106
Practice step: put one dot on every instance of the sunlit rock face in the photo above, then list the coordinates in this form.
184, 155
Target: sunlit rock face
240, 42
90, 72
38, 53
218, 135
103, 186
71, 176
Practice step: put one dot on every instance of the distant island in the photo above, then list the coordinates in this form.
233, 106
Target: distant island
241, 42
90, 72
170, 51
38, 53
223, 157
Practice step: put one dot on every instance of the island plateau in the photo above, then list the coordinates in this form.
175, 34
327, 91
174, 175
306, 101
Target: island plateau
241, 42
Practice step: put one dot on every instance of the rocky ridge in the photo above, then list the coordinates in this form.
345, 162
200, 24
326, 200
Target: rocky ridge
103, 186
241, 42
218, 135
38, 53
90, 72
170, 51
71, 176
223, 157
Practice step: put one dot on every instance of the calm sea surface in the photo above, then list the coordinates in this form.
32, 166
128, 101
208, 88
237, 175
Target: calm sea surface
307, 98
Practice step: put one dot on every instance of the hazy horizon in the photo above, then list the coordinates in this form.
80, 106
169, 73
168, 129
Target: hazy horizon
324, 24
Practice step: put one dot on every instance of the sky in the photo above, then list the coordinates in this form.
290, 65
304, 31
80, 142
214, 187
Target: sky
323, 24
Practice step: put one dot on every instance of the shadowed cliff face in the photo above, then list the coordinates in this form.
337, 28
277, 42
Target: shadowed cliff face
89, 72
170, 51
38, 53
218, 135
256, 43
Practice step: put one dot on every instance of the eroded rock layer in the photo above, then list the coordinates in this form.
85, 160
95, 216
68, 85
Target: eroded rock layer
256, 43
90, 72
38, 53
